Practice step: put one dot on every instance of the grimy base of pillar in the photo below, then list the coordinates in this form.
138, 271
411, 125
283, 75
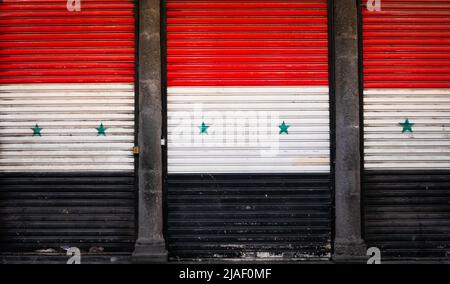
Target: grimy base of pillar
350, 251
149, 252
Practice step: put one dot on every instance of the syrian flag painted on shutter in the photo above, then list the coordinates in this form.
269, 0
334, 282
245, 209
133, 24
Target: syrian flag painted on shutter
67, 125
248, 87
248, 129
406, 49
67, 72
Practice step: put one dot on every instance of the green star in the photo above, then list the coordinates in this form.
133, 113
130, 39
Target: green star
36, 130
101, 130
203, 128
407, 126
284, 128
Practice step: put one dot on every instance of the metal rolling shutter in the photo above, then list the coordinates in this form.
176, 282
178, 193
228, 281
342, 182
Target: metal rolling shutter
242, 68
407, 77
67, 72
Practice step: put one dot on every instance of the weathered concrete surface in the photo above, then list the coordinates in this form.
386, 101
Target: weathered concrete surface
348, 243
150, 245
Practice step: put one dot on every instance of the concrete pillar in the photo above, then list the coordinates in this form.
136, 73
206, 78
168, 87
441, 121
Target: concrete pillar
348, 243
150, 245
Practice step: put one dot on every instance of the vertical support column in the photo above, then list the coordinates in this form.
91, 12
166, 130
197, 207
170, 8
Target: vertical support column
150, 245
348, 244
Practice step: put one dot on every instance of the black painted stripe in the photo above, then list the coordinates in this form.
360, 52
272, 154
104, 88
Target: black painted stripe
407, 213
237, 216
50, 210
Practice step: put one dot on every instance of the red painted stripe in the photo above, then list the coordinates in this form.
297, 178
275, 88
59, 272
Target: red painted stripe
67, 44
61, 5
249, 36
66, 79
65, 13
42, 42
403, 34
246, 28
67, 29
26, 2
225, 44
369, 19
368, 64
408, 85
67, 36
241, 12
407, 44
72, 73
244, 67
32, 2
407, 26
408, 70
249, 58
205, 52
69, 51
407, 78
247, 43
174, 4
244, 20
424, 42
403, 49
66, 65
57, 59
245, 82
407, 56
271, 74
73, 20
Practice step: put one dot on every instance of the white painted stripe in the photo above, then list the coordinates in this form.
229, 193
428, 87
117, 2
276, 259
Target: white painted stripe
238, 118
66, 87
406, 92
270, 97
247, 90
67, 167
68, 115
386, 147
